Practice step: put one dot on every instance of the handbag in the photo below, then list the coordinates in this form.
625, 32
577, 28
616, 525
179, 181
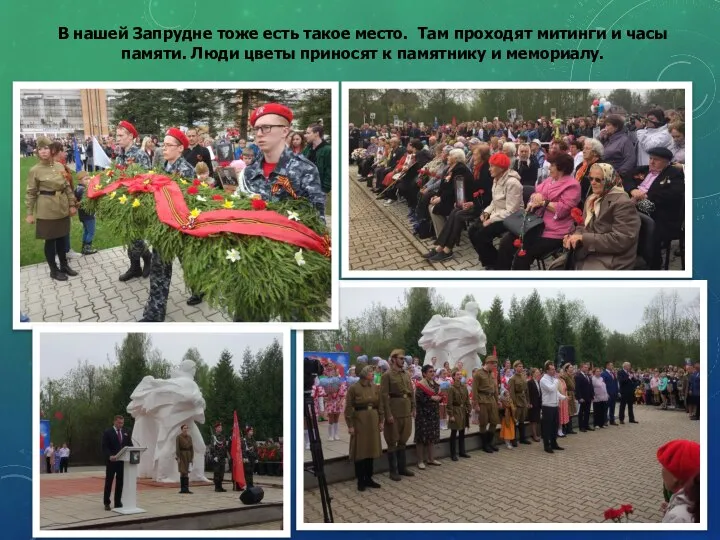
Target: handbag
522, 222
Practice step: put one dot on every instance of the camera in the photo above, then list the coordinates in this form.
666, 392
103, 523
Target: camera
630, 124
312, 369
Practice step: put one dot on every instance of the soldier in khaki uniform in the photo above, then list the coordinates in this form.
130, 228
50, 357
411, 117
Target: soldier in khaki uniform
397, 407
364, 421
521, 398
458, 410
50, 202
568, 375
486, 402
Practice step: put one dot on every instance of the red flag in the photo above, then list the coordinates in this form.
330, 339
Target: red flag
454, 122
238, 471
494, 351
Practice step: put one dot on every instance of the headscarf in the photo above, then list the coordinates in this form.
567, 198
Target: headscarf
610, 184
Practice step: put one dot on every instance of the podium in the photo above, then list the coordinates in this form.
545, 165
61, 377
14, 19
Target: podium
130, 456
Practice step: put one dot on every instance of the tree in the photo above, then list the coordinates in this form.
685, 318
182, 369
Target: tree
148, 110
496, 328
203, 376
591, 342
535, 343
223, 396
133, 366
260, 391
315, 105
420, 308
514, 331
560, 326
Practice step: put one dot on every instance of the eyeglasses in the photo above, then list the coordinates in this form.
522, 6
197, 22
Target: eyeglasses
169, 144
267, 128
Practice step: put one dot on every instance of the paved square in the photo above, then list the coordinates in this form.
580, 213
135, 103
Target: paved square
597, 470
381, 237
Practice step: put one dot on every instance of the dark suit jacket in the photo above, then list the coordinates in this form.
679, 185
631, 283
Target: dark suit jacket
611, 384
535, 395
484, 182
667, 193
395, 156
111, 444
583, 387
421, 159
446, 191
196, 154
626, 384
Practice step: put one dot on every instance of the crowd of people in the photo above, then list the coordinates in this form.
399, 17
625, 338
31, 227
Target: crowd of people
57, 458
53, 198
610, 190
391, 396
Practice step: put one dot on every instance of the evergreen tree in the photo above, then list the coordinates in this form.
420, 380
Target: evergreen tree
132, 361
315, 104
561, 328
223, 397
514, 332
260, 391
148, 110
536, 341
420, 311
203, 376
591, 342
496, 328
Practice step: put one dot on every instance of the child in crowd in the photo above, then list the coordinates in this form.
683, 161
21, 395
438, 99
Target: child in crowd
87, 219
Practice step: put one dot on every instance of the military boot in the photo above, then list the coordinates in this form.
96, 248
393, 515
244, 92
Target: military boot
368, 469
402, 463
453, 447
65, 267
132, 272
523, 435
392, 471
360, 475
55, 272
147, 259
463, 454
486, 442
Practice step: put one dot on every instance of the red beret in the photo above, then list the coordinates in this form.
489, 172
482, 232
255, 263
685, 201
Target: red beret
681, 458
271, 108
500, 160
130, 128
218, 423
179, 135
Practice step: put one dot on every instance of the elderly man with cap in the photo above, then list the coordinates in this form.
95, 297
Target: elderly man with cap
658, 189
397, 407
219, 453
485, 400
537, 152
50, 202
278, 173
160, 270
131, 154
680, 461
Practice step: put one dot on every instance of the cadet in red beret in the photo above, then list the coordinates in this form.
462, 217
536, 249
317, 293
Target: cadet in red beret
174, 145
131, 154
680, 460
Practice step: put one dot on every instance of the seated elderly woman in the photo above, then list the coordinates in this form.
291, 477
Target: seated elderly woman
468, 205
507, 198
592, 153
431, 178
607, 238
455, 188
554, 198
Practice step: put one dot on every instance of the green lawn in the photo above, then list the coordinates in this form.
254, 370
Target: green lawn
31, 249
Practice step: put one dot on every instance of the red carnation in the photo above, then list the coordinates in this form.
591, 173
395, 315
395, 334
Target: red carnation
258, 204
218, 198
627, 508
517, 243
196, 182
608, 514
192, 190
478, 193
522, 253
121, 167
577, 215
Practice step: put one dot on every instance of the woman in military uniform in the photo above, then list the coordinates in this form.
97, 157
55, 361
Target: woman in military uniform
362, 415
568, 375
519, 395
184, 456
50, 203
458, 408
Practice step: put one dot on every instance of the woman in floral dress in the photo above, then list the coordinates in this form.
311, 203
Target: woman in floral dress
427, 416
563, 408
335, 390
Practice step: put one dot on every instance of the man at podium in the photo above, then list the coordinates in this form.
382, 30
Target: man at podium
114, 439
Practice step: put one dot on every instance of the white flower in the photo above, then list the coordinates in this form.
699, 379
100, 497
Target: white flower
232, 255
235, 195
293, 215
201, 198
299, 258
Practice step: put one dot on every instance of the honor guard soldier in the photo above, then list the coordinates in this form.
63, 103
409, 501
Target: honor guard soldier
219, 453
250, 455
129, 155
397, 402
520, 396
161, 271
485, 401
294, 175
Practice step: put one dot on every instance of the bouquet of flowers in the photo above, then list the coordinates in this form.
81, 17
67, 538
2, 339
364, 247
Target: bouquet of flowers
256, 260
352, 380
616, 514
358, 154
331, 384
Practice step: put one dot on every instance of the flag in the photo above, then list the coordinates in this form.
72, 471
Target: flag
76, 156
454, 122
511, 136
100, 158
238, 471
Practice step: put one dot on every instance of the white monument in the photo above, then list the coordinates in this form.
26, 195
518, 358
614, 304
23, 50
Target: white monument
130, 458
454, 339
160, 407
